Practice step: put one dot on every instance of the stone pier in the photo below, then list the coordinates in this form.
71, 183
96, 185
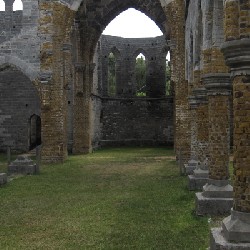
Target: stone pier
200, 174
193, 162
216, 197
235, 231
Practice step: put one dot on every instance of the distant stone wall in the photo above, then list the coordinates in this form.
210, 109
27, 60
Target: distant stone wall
126, 50
126, 119
137, 122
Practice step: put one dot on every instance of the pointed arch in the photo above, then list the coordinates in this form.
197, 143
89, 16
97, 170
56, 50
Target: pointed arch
140, 57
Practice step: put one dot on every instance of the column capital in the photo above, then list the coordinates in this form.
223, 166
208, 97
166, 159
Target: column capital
201, 95
217, 83
237, 56
193, 102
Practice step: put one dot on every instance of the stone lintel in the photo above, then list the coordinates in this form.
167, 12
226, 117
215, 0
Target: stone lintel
219, 242
237, 56
218, 189
217, 83
236, 227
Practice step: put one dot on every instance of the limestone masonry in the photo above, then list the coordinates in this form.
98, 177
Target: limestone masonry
55, 91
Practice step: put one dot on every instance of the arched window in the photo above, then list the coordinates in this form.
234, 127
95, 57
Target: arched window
111, 74
18, 5
140, 75
2, 5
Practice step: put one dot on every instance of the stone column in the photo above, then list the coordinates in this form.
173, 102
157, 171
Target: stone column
55, 21
200, 174
193, 162
216, 197
235, 231
175, 13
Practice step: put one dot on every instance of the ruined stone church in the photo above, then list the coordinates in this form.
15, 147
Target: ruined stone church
54, 89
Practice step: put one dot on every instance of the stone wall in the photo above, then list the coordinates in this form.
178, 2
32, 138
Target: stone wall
126, 119
19, 101
137, 121
126, 50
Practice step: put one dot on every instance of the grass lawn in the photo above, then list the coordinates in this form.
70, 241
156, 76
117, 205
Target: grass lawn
122, 198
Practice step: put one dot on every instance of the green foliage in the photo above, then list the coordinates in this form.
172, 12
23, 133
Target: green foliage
111, 75
122, 198
140, 94
140, 76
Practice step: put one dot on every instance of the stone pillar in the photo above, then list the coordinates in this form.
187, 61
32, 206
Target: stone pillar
216, 197
235, 231
193, 162
175, 13
55, 21
200, 174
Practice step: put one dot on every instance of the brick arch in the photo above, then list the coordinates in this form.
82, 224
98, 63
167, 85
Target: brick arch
23, 66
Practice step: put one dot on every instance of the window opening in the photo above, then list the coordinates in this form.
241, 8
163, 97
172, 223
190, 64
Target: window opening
140, 75
111, 75
18, 5
2, 5
168, 75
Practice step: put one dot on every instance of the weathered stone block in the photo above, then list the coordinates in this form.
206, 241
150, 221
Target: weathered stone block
196, 183
212, 206
190, 167
3, 179
22, 165
219, 242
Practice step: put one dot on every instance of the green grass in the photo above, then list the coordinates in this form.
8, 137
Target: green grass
129, 198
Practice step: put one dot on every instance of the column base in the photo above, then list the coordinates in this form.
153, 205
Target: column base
198, 179
236, 227
190, 167
219, 242
3, 179
216, 198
